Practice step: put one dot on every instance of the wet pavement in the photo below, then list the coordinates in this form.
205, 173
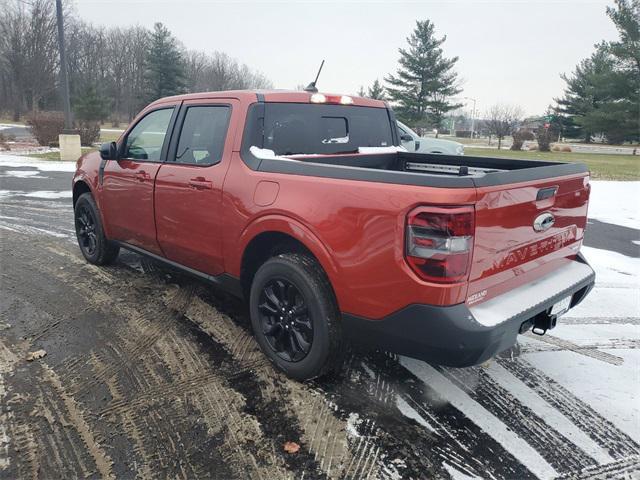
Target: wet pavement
150, 373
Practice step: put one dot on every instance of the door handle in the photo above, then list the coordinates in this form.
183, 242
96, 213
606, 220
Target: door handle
142, 176
199, 183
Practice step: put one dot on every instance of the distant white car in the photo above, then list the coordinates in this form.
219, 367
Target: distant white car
415, 143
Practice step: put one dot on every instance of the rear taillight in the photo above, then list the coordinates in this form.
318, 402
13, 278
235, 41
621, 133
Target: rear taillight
439, 242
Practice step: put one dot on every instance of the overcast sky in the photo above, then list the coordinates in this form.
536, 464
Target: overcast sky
510, 51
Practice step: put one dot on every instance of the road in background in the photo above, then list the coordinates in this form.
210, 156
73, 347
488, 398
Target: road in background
152, 373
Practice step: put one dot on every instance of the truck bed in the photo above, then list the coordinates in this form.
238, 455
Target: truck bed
419, 168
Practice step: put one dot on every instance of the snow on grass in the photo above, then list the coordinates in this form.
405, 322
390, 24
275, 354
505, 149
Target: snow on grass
615, 202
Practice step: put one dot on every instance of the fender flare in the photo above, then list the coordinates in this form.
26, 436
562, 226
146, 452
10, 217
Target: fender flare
289, 226
82, 177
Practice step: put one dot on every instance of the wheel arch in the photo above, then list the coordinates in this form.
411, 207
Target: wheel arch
80, 187
270, 236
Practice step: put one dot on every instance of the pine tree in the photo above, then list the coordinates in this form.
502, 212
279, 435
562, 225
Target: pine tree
603, 92
90, 106
425, 82
165, 67
626, 17
583, 93
376, 91
90, 109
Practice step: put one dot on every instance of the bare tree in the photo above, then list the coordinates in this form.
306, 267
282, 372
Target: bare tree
29, 52
218, 71
502, 120
108, 62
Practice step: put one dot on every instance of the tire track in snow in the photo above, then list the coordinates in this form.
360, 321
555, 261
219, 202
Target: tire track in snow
558, 451
551, 416
567, 345
442, 438
609, 344
487, 422
600, 320
617, 443
625, 468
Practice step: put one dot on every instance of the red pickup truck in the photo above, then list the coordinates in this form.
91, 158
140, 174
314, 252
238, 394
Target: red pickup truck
306, 205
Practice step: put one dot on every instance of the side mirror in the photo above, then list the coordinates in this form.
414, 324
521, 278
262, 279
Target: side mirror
109, 151
417, 145
406, 138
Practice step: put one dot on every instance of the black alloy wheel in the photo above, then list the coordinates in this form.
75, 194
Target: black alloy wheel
94, 245
86, 230
285, 321
295, 316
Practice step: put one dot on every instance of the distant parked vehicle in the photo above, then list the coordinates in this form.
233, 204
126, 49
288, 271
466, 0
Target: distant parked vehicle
415, 143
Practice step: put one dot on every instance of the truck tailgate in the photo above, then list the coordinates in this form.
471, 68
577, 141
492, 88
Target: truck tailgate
524, 231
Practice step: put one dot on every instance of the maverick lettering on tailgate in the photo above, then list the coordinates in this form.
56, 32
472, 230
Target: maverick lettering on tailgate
532, 251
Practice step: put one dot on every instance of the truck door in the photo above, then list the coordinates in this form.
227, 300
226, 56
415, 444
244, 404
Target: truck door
127, 184
188, 189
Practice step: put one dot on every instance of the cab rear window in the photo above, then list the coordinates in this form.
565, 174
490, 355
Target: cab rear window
292, 128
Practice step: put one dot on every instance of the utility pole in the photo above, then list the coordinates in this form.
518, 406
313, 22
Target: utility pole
473, 115
64, 79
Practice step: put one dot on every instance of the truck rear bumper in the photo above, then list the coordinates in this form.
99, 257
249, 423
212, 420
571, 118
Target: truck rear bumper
460, 336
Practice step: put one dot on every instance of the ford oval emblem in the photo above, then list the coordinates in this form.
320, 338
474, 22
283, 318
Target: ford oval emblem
543, 222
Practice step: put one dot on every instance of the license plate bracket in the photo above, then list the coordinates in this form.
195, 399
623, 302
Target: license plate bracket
561, 307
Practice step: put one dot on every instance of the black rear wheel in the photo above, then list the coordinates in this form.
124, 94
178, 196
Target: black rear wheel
94, 245
284, 318
295, 317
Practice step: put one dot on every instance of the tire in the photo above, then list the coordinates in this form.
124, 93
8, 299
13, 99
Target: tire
271, 291
94, 245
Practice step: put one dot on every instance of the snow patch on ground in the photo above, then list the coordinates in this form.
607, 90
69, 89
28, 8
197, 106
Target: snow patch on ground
49, 194
510, 440
22, 174
613, 391
456, 474
409, 412
615, 202
13, 227
352, 424
613, 267
617, 290
13, 161
552, 417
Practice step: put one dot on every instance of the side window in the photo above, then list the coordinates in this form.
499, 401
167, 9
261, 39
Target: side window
145, 140
203, 134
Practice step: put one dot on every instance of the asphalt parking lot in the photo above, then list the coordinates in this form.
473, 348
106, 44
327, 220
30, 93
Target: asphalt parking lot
153, 374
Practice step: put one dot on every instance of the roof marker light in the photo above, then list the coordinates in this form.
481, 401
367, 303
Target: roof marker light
318, 98
344, 100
